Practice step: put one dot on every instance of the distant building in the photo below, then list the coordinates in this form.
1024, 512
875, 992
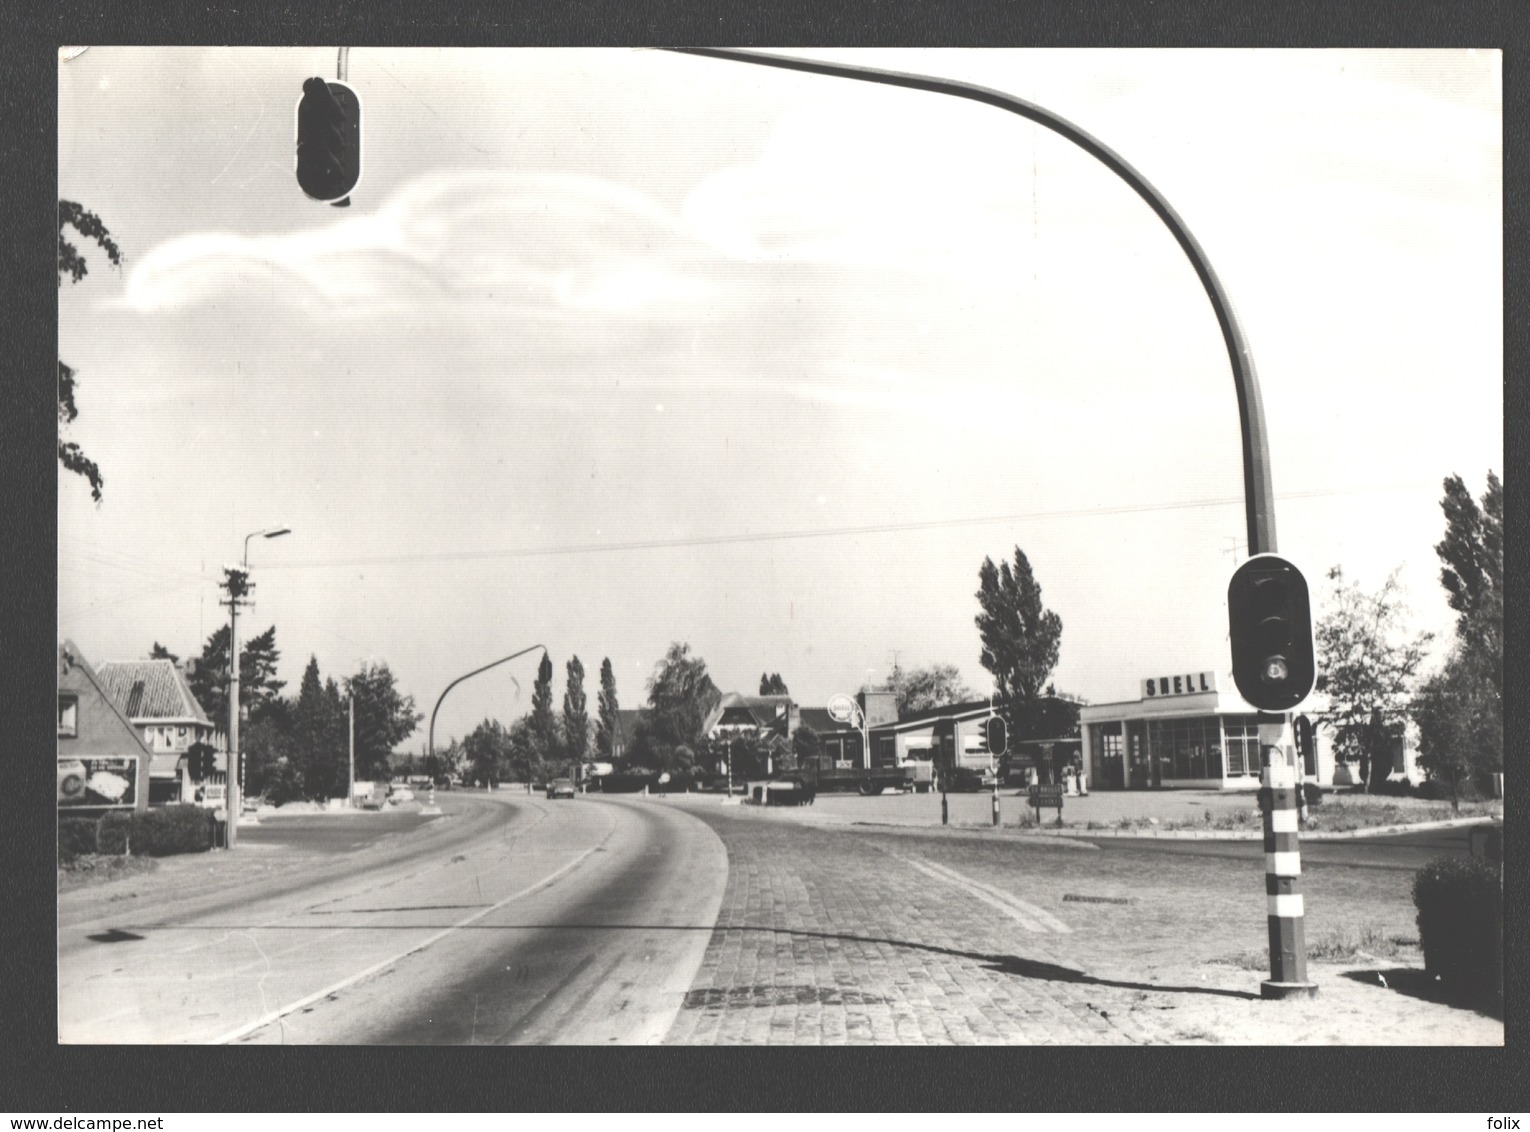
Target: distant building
102, 761
1194, 730
156, 698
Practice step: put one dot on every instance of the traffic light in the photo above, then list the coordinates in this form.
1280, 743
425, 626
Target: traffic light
1270, 627
328, 141
994, 731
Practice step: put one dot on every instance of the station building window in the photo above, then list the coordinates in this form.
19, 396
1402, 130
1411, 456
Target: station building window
1242, 734
1186, 748
1107, 750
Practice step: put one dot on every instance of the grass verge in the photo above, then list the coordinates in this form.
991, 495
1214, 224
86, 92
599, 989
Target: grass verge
1337, 945
101, 868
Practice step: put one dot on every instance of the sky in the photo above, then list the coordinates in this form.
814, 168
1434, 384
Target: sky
616, 348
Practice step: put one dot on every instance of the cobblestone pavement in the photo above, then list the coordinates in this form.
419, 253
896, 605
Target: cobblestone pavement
834, 935
823, 942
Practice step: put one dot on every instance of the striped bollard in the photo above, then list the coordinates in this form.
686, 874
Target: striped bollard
1282, 881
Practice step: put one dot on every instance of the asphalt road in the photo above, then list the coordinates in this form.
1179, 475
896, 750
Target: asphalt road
513, 919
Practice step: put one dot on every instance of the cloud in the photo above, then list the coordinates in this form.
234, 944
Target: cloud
543, 243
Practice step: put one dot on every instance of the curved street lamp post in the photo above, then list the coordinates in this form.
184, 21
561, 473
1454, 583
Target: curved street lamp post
430, 739
1287, 960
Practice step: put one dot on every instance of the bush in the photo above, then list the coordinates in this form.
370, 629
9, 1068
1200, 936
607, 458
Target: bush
168, 830
1460, 927
1313, 793
76, 837
114, 831
160, 832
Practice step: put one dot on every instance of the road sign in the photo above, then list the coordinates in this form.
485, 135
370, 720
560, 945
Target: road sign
841, 708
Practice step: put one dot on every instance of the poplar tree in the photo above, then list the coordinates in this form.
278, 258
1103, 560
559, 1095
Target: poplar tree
576, 716
607, 720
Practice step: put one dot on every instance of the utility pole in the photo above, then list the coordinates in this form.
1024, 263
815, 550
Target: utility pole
236, 582
350, 790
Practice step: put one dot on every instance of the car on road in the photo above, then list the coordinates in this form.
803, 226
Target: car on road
791, 790
397, 794
561, 788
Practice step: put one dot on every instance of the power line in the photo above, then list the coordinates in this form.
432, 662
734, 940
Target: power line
782, 536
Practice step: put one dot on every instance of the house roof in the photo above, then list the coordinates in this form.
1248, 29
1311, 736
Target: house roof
761, 709
819, 720
947, 711
70, 661
149, 690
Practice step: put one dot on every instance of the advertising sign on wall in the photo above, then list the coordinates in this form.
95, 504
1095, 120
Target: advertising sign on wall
98, 782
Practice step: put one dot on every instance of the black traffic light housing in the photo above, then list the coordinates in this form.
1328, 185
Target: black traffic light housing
1269, 618
328, 141
996, 734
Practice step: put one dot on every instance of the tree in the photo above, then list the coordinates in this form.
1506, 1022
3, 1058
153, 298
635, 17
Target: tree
576, 716
487, 751
258, 685
1369, 664
1472, 570
319, 736
208, 678
1460, 724
680, 697
72, 263
1460, 708
607, 721
267, 743
1021, 639
544, 725
160, 652
384, 718
772, 685
922, 688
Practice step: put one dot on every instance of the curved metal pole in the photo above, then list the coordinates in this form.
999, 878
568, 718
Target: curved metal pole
430, 741
1258, 489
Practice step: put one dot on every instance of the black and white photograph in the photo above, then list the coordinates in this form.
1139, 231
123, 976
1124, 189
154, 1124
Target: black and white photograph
718, 547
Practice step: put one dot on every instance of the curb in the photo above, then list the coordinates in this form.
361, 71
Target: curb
1258, 835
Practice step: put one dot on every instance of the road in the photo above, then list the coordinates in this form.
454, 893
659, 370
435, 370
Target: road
519, 920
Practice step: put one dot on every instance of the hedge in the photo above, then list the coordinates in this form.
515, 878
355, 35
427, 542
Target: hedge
1460, 927
160, 832
76, 837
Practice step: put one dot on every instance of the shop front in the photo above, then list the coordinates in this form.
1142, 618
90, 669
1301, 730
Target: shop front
1184, 731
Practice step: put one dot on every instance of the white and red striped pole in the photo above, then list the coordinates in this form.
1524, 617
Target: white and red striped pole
1283, 869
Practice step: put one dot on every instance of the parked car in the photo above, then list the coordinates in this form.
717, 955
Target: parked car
965, 780
399, 794
561, 788
792, 790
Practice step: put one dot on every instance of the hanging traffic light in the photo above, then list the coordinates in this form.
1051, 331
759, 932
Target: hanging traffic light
1270, 628
328, 141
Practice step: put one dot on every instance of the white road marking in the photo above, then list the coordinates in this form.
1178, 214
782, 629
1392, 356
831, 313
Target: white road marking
281, 1011
1029, 916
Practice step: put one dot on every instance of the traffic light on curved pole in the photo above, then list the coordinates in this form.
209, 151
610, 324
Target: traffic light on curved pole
1269, 617
328, 140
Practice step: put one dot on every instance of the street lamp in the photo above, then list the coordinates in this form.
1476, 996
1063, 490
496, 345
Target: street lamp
430, 738
1288, 959
233, 797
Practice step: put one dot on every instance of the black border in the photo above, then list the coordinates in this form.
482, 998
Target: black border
38, 1075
